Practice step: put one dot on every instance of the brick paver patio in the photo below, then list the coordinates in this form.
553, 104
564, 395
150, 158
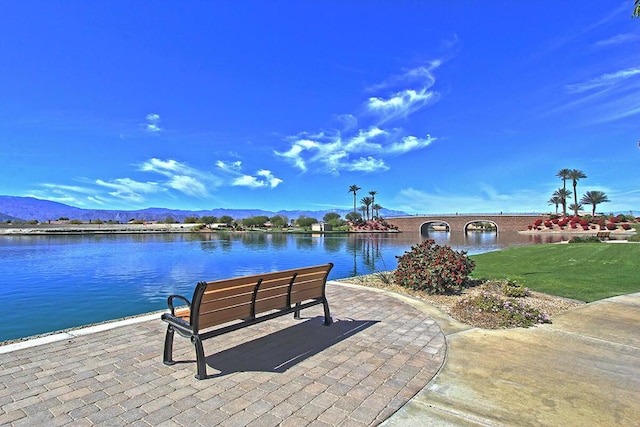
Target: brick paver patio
376, 356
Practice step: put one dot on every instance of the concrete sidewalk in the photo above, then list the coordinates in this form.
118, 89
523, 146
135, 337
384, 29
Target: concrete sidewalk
582, 370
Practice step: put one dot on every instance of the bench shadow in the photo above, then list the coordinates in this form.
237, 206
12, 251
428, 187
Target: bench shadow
278, 351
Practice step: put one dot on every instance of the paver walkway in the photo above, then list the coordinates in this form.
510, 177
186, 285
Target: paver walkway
378, 354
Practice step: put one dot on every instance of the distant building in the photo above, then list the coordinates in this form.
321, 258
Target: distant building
321, 226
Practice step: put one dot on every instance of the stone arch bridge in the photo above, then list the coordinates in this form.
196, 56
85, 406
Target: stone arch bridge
456, 223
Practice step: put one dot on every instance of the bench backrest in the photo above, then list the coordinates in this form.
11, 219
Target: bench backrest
245, 297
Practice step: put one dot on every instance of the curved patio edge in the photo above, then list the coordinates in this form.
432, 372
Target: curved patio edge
381, 350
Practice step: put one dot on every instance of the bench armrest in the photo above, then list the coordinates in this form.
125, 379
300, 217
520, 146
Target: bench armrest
170, 302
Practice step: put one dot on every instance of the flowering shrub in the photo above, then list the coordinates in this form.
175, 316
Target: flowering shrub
372, 225
586, 239
611, 226
433, 268
626, 226
508, 311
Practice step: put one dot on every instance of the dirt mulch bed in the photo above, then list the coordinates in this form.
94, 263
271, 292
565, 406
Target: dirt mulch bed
547, 304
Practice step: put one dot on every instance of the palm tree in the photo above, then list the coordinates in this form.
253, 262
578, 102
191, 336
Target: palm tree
562, 194
366, 201
576, 207
373, 193
377, 208
563, 174
354, 189
555, 200
594, 198
575, 175
364, 209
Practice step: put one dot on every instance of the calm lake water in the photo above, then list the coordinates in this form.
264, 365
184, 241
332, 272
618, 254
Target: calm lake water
49, 283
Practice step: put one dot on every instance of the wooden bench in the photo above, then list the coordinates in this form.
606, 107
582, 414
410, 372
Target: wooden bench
227, 305
603, 235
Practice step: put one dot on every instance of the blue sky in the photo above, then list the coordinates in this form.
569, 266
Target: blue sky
439, 107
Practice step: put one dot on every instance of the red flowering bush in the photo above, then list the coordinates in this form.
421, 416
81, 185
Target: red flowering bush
611, 226
433, 268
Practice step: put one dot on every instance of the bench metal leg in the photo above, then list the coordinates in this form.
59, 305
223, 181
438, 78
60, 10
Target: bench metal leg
201, 373
296, 314
168, 347
327, 314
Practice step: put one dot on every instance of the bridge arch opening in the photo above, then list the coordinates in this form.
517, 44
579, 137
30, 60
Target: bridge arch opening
480, 226
432, 227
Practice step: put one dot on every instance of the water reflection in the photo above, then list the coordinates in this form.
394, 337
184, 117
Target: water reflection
64, 278
475, 242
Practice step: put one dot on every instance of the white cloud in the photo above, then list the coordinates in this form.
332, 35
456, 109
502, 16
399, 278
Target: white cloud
421, 77
263, 179
153, 123
67, 188
618, 39
401, 104
410, 143
368, 164
232, 166
603, 81
128, 189
188, 185
363, 149
294, 154
347, 121
184, 178
363, 141
335, 154
164, 167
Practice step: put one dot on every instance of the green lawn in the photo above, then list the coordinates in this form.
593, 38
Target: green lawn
585, 271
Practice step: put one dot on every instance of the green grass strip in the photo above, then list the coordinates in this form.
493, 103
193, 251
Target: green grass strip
584, 271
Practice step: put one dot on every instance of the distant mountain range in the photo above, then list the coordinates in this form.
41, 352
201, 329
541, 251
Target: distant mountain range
14, 208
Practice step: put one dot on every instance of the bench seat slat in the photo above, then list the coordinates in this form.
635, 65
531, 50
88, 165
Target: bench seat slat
274, 303
219, 304
214, 318
304, 295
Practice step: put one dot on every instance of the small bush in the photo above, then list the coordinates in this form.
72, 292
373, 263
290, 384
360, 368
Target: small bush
433, 268
508, 312
587, 239
611, 226
385, 277
510, 289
